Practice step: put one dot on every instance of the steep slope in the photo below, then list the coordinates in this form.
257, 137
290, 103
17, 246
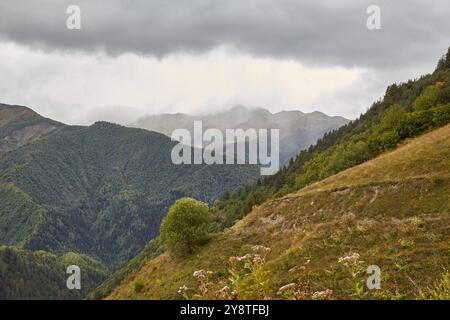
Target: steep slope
100, 190
298, 130
42, 275
393, 212
406, 110
20, 125
150, 251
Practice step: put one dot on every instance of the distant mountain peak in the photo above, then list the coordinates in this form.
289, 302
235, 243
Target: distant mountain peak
84, 177
20, 125
298, 130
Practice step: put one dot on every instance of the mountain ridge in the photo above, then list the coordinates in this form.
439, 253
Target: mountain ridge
298, 130
20, 125
100, 190
389, 210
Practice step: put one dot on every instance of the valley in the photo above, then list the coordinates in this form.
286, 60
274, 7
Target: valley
392, 211
373, 192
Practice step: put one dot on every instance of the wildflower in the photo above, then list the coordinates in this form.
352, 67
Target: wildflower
233, 260
248, 256
260, 249
182, 290
349, 259
256, 258
319, 295
202, 274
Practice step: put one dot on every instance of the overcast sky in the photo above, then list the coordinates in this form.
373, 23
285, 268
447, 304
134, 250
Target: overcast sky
136, 57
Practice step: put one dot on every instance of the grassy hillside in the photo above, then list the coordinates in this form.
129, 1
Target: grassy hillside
393, 211
406, 110
150, 251
42, 275
100, 190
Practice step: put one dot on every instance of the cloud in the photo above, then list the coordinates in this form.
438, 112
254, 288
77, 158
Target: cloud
134, 57
320, 32
81, 88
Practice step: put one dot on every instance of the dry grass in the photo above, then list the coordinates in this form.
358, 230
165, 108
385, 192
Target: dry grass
394, 211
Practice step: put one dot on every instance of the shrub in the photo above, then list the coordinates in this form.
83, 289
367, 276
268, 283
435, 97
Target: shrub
186, 226
138, 286
389, 140
427, 99
441, 115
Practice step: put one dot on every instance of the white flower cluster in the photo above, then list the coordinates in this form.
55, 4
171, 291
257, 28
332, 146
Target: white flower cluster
319, 295
202, 274
257, 257
182, 290
260, 249
353, 258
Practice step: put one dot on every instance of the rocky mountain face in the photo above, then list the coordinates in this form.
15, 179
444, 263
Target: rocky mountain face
20, 125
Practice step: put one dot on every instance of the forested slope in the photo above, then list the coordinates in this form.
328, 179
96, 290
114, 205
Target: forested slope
100, 190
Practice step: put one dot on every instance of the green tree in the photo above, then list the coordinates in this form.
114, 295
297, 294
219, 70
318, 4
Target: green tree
444, 62
186, 226
427, 99
444, 94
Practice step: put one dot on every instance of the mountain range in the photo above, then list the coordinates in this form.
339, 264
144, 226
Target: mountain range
371, 196
298, 130
99, 191
372, 193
